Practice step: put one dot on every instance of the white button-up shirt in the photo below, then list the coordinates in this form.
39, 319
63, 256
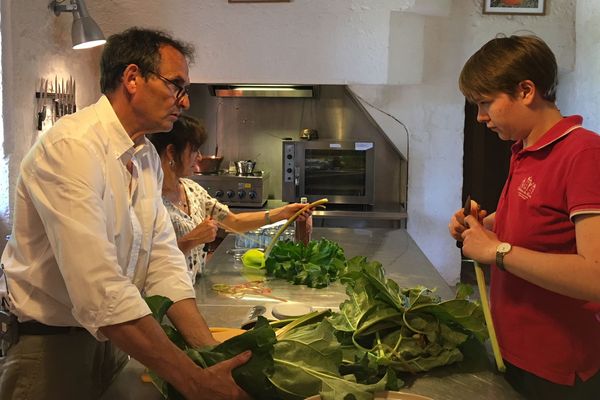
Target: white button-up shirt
90, 231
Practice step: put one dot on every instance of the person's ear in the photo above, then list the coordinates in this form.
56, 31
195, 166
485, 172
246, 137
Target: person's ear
130, 75
170, 151
526, 91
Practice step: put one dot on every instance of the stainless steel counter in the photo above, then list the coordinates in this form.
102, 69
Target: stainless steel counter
404, 262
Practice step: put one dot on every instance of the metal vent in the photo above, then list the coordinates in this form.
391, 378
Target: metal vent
250, 90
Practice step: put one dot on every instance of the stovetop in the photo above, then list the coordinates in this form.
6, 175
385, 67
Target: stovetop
236, 190
227, 175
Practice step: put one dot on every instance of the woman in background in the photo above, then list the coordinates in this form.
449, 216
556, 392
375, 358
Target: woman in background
196, 215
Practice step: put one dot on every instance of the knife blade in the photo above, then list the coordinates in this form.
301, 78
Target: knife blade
466, 212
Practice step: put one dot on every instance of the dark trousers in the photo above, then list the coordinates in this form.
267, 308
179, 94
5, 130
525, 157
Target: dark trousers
535, 388
59, 367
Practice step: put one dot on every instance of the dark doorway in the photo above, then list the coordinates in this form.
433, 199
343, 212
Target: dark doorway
485, 168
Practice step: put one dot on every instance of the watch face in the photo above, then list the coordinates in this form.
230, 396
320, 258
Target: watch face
503, 247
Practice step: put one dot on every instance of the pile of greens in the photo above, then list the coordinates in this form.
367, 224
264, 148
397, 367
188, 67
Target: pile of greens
410, 330
380, 331
316, 264
303, 361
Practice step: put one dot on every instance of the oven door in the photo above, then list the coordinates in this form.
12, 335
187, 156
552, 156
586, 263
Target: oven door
340, 171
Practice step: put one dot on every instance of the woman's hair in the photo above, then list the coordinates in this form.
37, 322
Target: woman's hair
186, 131
135, 46
502, 63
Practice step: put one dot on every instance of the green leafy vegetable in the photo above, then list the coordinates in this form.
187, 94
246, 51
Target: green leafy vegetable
380, 330
411, 330
316, 265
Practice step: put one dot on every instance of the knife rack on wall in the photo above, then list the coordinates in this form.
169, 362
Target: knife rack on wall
54, 100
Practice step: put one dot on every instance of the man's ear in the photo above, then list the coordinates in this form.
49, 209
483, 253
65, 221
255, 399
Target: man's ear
526, 91
130, 75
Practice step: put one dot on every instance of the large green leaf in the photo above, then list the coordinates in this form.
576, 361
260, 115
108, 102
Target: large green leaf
307, 362
159, 306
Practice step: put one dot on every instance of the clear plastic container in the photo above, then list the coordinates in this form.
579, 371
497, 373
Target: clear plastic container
261, 238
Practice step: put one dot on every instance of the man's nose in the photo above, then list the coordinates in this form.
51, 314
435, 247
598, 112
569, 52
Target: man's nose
184, 102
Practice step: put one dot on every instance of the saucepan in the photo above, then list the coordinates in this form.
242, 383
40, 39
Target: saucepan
245, 167
209, 164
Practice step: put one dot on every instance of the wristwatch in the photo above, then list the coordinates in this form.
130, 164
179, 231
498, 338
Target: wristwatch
502, 250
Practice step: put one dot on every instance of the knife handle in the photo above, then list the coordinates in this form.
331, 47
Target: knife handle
40, 120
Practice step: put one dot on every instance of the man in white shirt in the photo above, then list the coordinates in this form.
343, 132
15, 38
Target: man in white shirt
91, 236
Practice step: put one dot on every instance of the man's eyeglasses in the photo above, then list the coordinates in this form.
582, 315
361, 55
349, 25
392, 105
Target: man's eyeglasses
179, 90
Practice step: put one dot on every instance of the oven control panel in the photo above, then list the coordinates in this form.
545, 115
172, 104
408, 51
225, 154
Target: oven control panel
236, 190
288, 162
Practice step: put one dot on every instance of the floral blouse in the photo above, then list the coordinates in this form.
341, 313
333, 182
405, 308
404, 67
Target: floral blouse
201, 205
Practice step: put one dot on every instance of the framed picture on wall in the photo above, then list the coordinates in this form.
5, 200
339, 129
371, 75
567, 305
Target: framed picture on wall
532, 7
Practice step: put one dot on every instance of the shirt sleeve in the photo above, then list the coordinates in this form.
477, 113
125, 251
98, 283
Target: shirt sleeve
583, 184
167, 271
68, 197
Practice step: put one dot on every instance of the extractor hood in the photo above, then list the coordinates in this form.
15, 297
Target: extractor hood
260, 90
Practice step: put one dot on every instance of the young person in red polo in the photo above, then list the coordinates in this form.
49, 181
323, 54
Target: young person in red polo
543, 241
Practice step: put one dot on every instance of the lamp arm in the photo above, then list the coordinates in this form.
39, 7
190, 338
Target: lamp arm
58, 8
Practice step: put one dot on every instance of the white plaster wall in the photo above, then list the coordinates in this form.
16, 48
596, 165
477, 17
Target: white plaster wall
579, 91
316, 41
433, 111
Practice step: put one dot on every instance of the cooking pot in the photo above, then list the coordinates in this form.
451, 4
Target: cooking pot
209, 164
309, 134
245, 167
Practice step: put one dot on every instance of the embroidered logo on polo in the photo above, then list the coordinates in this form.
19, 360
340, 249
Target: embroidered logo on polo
526, 188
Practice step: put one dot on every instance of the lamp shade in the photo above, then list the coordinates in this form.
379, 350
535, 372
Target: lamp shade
85, 33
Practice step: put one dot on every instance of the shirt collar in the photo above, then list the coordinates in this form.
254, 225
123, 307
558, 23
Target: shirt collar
120, 140
562, 128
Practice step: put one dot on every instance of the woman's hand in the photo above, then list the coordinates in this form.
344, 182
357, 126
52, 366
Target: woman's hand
457, 223
288, 211
204, 232
479, 243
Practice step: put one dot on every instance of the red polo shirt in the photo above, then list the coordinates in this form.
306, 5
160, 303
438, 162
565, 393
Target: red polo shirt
550, 335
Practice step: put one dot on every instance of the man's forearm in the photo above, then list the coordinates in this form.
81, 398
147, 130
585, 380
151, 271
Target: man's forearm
186, 317
144, 340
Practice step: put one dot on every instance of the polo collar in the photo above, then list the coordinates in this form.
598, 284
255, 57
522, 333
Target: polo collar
560, 129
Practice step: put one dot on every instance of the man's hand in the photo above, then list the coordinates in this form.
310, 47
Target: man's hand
216, 382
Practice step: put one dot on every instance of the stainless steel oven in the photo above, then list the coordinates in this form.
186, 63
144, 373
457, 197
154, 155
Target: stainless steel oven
342, 171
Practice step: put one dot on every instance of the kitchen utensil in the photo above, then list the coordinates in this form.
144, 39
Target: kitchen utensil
41, 115
256, 311
245, 167
309, 134
485, 305
209, 164
459, 243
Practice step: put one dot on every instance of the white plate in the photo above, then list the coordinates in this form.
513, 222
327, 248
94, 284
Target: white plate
387, 396
290, 310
